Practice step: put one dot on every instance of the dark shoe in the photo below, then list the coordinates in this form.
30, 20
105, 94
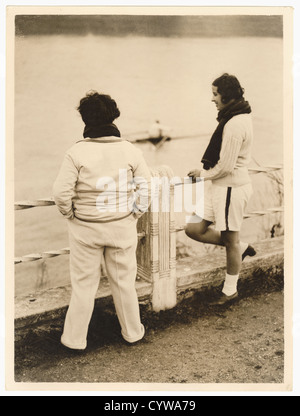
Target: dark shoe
224, 299
248, 252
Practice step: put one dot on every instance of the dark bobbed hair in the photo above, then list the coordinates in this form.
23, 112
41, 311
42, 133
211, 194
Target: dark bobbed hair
229, 88
98, 109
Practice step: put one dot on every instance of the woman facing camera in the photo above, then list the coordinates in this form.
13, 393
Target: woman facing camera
225, 164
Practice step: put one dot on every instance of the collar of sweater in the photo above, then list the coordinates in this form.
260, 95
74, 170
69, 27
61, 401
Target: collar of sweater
109, 139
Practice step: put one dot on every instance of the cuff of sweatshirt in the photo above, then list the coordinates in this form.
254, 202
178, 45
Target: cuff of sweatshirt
69, 216
137, 213
204, 174
208, 174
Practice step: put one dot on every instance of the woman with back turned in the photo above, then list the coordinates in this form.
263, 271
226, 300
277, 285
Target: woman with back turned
225, 164
94, 193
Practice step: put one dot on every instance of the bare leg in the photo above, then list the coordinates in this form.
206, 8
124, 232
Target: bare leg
233, 251
203, 233
234, 261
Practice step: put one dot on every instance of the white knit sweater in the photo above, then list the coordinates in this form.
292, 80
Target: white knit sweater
235, 156
94, 180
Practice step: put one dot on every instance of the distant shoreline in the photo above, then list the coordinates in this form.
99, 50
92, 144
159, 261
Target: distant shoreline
152, 26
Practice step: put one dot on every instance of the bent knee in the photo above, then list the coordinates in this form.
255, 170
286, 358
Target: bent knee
195, 231
189, 230
192, 230
231, 239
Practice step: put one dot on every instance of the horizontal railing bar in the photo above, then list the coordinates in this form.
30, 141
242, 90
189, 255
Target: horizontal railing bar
26, 204
52, 253
34, 203
265, 169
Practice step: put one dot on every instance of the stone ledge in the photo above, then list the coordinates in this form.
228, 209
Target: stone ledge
193, 274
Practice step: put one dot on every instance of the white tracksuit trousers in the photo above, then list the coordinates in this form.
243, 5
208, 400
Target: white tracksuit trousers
89, 242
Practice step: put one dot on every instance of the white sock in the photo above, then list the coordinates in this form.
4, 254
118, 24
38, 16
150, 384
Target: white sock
243, 246
230, 284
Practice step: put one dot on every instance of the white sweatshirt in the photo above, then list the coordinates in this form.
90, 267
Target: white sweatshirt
95, 181
235, 156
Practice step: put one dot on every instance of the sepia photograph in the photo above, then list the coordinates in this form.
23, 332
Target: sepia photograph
149, 199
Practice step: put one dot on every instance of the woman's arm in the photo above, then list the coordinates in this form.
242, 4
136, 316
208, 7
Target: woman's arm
228, 156
231, 146
64, 187
142, 178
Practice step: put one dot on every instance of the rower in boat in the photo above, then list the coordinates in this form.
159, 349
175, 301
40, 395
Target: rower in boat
158, 134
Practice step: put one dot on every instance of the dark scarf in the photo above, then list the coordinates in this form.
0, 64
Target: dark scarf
212, 153
101, 131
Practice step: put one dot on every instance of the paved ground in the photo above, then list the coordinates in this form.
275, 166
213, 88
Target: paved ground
193, 343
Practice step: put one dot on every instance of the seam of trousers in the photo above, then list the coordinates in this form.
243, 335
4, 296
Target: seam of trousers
118, 286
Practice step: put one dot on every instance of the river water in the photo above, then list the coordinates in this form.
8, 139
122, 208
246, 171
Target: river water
150, 78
